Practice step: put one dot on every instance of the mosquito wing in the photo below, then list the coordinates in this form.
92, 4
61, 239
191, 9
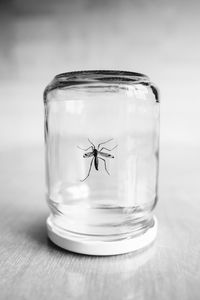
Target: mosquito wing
89, 154
105, 154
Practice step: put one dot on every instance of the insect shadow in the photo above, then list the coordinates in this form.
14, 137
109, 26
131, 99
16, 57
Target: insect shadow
95, 153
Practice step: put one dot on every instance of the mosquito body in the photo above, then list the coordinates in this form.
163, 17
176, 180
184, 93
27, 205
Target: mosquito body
96, 154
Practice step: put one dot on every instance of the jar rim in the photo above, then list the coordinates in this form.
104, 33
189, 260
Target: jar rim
90, 78
98, 74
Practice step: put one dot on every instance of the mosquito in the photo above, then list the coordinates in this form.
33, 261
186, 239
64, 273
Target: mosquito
95, 153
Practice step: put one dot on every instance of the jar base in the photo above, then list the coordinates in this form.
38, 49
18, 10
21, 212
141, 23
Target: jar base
101, 248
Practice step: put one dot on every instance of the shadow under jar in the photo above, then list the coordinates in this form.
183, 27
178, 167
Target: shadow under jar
102, 134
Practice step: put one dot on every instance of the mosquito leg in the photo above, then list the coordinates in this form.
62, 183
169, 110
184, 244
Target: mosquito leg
104, 143
89, 170
108, 149
84, 149
104, 164
91, 143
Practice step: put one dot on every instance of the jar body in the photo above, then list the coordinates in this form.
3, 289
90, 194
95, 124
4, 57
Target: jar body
101, 132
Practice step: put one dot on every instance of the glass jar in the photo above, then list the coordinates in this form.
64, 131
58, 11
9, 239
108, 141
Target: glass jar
102, 135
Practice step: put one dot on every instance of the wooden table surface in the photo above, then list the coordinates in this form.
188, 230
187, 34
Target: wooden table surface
31, 267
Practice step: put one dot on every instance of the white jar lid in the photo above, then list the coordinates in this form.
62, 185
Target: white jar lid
102, 248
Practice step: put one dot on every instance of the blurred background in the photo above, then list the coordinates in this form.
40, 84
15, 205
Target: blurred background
41, 38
